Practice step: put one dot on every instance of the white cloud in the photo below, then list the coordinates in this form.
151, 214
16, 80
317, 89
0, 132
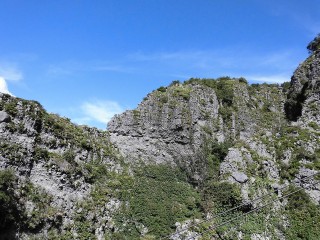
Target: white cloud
98, 112
4, 86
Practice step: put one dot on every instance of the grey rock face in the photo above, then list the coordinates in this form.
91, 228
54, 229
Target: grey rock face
234, 162
172, 125
304, 92
240, 177
306, 179
4, 117
59, 186
166, 126
45, 155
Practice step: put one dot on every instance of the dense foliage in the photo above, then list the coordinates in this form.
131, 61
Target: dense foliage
8, 202
158, 197
223, 87
304, 216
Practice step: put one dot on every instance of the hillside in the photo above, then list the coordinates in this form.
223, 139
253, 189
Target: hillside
166, 169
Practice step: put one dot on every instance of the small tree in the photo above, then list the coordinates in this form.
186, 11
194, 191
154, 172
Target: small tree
314, 45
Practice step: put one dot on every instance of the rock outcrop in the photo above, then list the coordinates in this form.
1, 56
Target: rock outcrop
52, 162
167, 125
304, 94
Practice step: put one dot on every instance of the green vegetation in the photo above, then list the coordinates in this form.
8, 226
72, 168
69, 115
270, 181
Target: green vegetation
10, 108
220, 196
175, 82
314, 125
158, 197
181, 91
41, 154
14, 152
136, 114
13, 213
162, 89
314, 45
290, 138
8, 202
207, 162
285, 87
304, 216
42, 209
223, 87
243, 80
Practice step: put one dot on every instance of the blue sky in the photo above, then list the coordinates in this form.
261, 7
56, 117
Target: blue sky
88, 60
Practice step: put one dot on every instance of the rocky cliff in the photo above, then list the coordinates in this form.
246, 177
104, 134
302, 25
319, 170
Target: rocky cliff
189, 151
52, 166
173, 124
303, 97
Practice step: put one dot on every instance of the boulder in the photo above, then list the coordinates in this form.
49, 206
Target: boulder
240, 177
4, 117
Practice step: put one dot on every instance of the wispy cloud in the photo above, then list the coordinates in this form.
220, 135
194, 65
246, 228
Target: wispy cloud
211, 63
190, 63
73, 67
97, 113
10, 72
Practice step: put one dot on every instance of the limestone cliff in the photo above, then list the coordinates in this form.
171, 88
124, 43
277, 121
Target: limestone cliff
54, 165
304, 93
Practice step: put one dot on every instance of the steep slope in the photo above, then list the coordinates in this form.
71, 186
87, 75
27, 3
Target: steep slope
52, 166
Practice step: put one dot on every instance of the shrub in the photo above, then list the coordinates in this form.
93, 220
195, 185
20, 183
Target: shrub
314, 45
182, 91
224, 194
8, 206
223, 87
175, 82
11, 108
285, 86
69, 156
162, 89
40, 153
243, 80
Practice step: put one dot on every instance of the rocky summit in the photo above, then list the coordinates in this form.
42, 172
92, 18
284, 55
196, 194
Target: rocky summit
200, 159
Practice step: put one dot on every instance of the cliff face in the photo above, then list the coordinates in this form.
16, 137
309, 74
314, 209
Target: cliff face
303, 97
186, 153
167, 125
53, 166
173, 122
